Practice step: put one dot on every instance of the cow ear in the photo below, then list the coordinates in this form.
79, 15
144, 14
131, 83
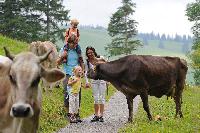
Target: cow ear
5, 64
52, 75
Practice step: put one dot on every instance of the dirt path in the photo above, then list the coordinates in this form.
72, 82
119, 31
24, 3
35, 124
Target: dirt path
116, 115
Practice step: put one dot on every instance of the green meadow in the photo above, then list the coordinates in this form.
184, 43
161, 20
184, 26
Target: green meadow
166, 110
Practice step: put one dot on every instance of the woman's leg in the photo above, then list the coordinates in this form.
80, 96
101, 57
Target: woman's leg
101, 109
96, 109
95, 92
102, 93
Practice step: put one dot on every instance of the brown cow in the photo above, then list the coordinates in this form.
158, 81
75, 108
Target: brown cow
20, 97
145, 75
39, 48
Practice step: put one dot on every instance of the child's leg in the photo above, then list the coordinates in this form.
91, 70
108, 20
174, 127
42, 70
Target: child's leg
76, 103
78, 109
64, 55
78, 49
72, 103
73, 108
79, 52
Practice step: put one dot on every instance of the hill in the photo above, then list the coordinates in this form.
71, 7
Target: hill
99, 39
13, 45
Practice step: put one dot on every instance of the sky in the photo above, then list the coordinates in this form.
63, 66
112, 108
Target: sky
159, 16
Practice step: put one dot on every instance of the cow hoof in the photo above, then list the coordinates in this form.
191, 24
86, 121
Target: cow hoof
130, 120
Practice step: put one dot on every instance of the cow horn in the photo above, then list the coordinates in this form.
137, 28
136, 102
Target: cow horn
45, 56
8, 54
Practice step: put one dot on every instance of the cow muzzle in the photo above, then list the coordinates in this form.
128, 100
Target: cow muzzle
21, 110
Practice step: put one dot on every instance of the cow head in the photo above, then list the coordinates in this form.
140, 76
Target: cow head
24, 73
93, 73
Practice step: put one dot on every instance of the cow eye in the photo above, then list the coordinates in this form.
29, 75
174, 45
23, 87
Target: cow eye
35, 82
13, 81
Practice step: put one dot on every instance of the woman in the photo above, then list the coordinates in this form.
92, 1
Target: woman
98, 86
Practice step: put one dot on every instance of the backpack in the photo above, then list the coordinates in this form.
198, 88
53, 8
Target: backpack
77, 32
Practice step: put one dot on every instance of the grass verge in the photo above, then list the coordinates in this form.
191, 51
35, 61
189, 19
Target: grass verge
166, 108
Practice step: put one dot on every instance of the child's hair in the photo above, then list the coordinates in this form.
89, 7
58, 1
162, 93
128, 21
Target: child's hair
74, 21
75, 68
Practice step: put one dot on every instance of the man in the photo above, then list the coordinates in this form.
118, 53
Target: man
72, 61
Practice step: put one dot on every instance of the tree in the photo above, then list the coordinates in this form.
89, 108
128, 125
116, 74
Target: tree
177, 38
123, 30
18, 21
163, 37
31, 20
193, 13
53, 17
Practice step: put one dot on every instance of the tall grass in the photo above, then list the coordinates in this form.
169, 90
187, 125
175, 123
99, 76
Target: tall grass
13, 45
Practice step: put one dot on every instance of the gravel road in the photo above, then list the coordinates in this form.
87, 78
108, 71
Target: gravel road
115, 116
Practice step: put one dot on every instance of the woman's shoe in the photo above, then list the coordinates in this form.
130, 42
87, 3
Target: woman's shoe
101, 119
95, 118
78, 119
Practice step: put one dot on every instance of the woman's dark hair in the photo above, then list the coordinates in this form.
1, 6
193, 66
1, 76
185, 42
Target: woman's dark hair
91, 48
95, 54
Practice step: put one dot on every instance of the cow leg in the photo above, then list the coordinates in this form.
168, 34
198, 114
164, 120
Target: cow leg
144, 97
178, 97
130, 108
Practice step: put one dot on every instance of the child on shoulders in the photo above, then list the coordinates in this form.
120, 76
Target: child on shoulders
73, 30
